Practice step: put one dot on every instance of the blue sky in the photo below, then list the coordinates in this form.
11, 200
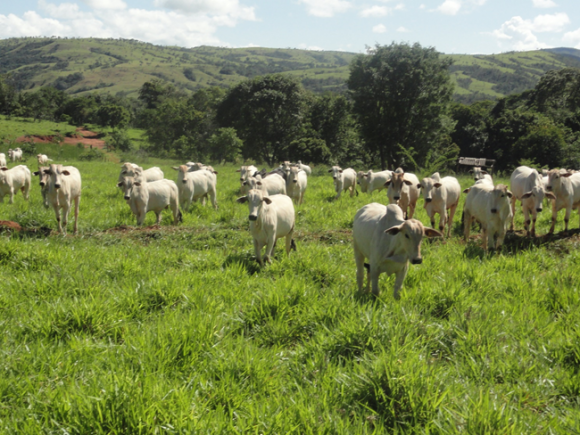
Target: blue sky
451, 26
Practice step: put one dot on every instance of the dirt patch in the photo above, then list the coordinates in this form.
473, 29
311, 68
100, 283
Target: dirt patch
9, 225
15, 227
86, 137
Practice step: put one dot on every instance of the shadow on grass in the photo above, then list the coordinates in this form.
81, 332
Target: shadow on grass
517, 241
246, 261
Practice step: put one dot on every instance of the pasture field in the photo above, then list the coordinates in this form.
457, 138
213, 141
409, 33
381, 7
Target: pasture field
177, 330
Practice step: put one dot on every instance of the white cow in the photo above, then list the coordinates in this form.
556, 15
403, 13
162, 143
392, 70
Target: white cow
480, 174
441, 196
370, 181
527, 186
195, 185
133, 170
403, 191
13, 180
143, 197
343, 180
296, 184
192, 167
566, 187
2, 160
17, 155
246, 171
273, 184
64, 187
44, 181
271, 218
42, 159
304, 167
382, 235
490, 206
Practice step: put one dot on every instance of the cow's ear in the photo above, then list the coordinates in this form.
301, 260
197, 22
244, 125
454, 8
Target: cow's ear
484, 172
407, 182
65, 172
340, 171
430, 232
467, 190
387, 183
175, 167
567, 174
242, 199
119, 184
35, 173
527, 195
470, 171
509, 194
437, 185
46, 171
550, 195
215, 172
267, 200
238, 170
330, 170
136, 183
394, 230
419, 186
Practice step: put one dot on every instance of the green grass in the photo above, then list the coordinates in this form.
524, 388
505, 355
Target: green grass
177, 330
14, 127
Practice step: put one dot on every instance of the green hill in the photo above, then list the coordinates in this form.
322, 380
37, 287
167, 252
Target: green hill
122, 66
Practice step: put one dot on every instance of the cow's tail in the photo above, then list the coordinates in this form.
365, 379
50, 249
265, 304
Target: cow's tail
368, 267
293, 245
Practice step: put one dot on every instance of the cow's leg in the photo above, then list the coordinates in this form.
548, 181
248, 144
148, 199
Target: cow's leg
534, 218
452, 211
158, 214
270, 242
141, 213
513, 201
258, 252
567, 217
442, 220
65, 211
11, 195
399, 278
289, 241
57, 214
526, 220
411, 209
466, 225
212, 196
77, 205
359, 259
554, 217
487, 237
374, 278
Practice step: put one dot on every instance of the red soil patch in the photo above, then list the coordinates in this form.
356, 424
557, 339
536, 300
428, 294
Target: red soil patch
9, 225
84, 136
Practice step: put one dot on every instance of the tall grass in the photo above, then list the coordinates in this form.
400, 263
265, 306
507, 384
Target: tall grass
177, 330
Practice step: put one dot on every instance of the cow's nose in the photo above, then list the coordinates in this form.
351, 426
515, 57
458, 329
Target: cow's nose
184, 181
539, 209
252, 217
549, 188
334, 178
127, 197
494, 210
397, 197
294, 181
42, 184
428, 199
417, 260
57, 186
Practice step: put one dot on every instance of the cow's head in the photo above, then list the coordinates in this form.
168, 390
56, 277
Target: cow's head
500, 198
43, 176
538, 194
397, 185
408, 237
555, 177
56, 174
336, 171
255, 199
429, 185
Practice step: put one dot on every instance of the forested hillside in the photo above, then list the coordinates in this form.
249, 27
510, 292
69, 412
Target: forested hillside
78, 66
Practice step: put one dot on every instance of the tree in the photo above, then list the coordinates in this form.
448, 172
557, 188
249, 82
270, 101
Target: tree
225, 145
400, 92
114, 116
267, 114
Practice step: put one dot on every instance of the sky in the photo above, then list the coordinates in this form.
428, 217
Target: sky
451, 26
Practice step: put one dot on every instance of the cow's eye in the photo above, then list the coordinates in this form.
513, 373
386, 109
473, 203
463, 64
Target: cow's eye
407, 236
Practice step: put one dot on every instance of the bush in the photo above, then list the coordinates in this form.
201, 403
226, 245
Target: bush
92, 154
28, 149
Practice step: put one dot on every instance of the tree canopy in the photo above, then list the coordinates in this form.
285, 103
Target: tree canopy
400, 92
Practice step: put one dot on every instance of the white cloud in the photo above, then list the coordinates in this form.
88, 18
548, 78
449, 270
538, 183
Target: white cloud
375, 11
105, 4
551, 23
403, 30
218, 7
544, 4
380, 28
304, 46
572, 38
422, 6
450, 7
325, 8
164, 27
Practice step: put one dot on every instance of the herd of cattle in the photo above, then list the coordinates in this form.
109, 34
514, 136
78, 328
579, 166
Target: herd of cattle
387, 236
